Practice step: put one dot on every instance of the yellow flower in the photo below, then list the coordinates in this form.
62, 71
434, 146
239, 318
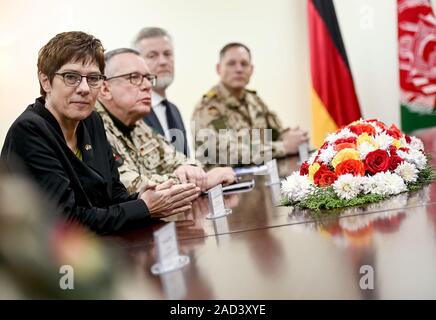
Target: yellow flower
364, 137
396, 143
313, 168
345, 154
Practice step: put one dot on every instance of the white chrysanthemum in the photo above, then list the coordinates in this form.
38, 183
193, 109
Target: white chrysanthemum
347, 186
418, 158
367, 184
387, 183
416, 143
343, 134
346, 133
326, 155
378, 129
414, 156
384, 140
365, 148
372, 124
407, 171
296, 187
403, 143
331, 138
402, 154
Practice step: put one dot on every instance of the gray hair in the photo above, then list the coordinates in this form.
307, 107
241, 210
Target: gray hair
150, 32
110, 54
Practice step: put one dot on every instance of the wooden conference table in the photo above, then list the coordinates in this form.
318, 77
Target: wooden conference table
263, 251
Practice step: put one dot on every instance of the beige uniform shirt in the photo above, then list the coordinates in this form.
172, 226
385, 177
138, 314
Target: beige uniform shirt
219, 110
146, 157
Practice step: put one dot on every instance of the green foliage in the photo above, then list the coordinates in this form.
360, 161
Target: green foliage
425, 176
327, 199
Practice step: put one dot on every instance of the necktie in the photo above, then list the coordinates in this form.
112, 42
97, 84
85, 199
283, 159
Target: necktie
172, 124
178, 138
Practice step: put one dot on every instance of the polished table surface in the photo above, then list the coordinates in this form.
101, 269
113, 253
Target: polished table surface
264, 251
317, 260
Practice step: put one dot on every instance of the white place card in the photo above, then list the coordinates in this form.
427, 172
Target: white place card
168, 257
273, 172
303, 151
216, 203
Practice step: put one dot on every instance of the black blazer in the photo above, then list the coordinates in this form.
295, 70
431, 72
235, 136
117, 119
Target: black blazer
175, 121
89, 191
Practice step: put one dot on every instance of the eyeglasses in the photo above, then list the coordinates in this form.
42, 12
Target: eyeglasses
73, 79
137, 78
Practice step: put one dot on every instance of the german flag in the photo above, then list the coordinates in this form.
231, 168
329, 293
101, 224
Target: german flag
334, 100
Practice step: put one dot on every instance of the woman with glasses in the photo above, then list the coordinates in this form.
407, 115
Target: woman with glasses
62, 143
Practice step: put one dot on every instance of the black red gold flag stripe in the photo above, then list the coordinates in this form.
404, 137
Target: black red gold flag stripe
334, 99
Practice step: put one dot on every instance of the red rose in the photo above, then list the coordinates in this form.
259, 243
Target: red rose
304, 168
324, 177
346, 140
361, 128
355, 167
394, 162
392, 150
394, 132
377, 161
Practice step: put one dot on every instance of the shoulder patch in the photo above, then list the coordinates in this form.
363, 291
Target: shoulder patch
210, 94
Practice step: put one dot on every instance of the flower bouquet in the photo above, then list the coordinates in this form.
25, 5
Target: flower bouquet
363, 162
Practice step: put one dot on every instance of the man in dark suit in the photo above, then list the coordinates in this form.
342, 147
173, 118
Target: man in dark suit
155, 46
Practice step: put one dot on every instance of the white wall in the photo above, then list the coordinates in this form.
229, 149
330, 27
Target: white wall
275, 30
369, 31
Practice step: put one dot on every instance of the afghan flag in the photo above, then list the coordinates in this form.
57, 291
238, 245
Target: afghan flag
417, 64
334, 100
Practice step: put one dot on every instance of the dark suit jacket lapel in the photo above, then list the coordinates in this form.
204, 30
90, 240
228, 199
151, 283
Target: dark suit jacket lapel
152, 121
175, 121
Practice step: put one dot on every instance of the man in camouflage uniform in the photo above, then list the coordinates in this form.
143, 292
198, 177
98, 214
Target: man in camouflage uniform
142, 155
229, 105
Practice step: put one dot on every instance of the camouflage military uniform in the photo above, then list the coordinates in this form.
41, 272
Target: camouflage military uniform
147, 157
219, 110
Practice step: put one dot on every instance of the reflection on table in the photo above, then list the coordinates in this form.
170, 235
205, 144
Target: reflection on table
265, 251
